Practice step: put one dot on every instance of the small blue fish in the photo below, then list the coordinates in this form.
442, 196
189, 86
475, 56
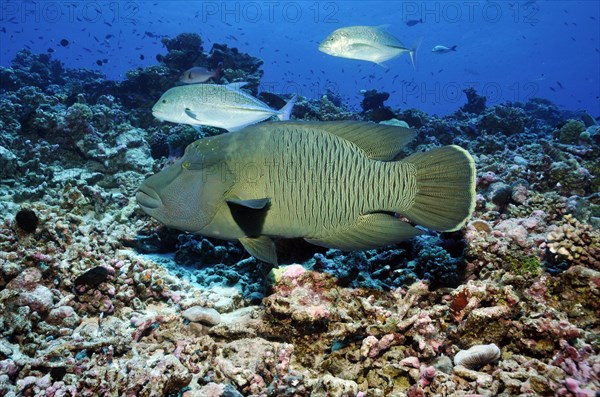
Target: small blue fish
440, 49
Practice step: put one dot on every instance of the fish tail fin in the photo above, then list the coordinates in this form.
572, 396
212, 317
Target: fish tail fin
413, 52
453, 48
445, 184
286, 111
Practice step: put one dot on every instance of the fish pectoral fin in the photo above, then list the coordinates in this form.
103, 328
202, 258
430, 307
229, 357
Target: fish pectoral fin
261, 247
191, 114
363, 46
400, 47
249, 215
370, 231
255, 204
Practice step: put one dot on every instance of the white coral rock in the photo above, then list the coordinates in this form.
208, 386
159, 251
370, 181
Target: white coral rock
477, 356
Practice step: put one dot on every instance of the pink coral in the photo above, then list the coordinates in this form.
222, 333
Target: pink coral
573, 386
293, 271
426, 375
575, 361
411, 362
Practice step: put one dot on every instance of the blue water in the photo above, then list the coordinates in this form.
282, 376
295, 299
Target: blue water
507, 50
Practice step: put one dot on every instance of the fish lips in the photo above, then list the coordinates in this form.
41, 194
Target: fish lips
324, 48
160, 116
147, 198
328, 49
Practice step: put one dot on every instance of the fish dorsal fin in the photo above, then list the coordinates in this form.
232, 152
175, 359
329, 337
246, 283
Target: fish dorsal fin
261, 247
370, 231
378, 141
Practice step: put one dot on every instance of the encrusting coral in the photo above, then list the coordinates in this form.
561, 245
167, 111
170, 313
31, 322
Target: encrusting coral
574, 243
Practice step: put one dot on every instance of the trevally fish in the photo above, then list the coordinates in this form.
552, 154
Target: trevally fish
367, 43
198, 74
335, 184
223, 106
441, 49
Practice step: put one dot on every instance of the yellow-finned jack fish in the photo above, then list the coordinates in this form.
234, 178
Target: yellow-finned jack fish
223, 106
367, 43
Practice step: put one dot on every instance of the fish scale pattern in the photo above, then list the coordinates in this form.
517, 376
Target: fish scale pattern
322, 182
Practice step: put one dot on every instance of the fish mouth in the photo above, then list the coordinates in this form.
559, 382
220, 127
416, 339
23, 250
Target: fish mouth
159, 115
326, 49
147, 198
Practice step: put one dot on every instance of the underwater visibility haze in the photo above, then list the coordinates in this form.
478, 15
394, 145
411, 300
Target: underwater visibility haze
299, 198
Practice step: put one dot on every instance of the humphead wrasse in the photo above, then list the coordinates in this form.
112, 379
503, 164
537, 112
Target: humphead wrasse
335, 184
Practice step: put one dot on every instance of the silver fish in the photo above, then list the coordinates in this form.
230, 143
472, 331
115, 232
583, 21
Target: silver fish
440, 49
367, 43
223, 106
198, 74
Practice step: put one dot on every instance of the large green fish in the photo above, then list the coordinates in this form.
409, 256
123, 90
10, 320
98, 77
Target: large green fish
335, 184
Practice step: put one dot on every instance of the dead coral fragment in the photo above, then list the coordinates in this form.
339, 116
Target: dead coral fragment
481, 226
477, 356
204, 315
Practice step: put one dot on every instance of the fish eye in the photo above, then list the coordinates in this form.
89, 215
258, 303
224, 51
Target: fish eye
164, 101
185, 165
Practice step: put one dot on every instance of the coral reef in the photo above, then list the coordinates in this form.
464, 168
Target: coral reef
574, 243
236, 66
505, 120
570, 132
373, 107
184, 51
323, 109
98, 299
475, 102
